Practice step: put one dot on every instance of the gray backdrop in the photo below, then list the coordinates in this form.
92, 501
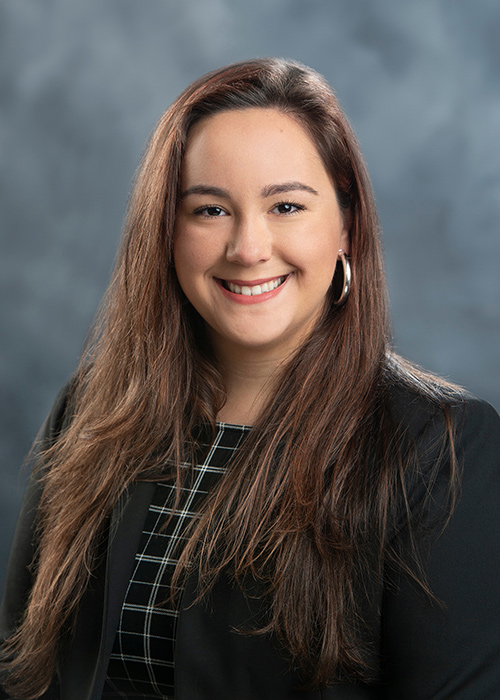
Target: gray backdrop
81, 86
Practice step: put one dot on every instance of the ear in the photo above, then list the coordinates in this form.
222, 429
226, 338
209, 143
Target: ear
345, 236
345, 243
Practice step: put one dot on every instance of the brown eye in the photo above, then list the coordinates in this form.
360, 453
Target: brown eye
287, 208
210, 211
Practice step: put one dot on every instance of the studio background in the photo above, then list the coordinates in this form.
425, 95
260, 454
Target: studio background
81, 87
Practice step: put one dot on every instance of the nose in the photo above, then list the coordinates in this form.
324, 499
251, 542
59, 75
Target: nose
250, 242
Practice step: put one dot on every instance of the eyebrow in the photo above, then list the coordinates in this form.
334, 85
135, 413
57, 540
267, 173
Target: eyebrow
271, 190
267, 191
205, 189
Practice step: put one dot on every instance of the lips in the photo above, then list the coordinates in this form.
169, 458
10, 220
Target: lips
249, 292
254, 290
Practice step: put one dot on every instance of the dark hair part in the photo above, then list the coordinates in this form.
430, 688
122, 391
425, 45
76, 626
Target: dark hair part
313, 505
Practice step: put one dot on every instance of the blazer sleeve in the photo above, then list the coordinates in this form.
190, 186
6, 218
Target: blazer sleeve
448, 648
18, 578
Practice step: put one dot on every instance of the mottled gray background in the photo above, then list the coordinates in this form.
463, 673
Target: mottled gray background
82, 84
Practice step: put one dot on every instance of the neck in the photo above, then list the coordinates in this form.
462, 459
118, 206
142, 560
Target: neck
249, 378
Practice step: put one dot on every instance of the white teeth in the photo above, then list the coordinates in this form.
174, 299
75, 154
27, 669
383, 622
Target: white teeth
256, 290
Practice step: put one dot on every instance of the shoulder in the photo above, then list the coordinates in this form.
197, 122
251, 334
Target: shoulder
59, 416
423, 409
454, 443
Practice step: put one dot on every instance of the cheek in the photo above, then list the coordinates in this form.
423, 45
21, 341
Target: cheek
324, 261
320, 253
184, 262
190, 254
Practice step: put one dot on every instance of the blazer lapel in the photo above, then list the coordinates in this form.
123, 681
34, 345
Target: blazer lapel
125, 533
85, 666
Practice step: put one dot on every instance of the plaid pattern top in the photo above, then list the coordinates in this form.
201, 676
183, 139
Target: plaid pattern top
142, 661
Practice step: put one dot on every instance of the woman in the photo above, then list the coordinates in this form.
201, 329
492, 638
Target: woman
244, 492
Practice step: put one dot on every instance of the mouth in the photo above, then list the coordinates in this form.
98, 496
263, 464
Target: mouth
256, 289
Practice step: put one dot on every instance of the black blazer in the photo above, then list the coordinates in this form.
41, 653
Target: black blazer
425, 650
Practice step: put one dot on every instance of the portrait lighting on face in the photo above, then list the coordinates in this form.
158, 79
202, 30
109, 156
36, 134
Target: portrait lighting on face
258, 231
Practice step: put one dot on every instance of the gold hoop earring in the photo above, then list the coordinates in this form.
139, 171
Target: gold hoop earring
344, 289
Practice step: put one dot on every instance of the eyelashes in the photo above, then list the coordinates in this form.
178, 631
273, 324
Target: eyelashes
283, 208
210, 211
286, 208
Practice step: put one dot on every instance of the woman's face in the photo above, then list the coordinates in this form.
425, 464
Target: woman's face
257, 231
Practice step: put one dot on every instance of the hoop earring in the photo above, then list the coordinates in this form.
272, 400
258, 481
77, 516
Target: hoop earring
346, 282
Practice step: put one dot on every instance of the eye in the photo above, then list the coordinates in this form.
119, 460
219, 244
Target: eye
287, 208
210, 211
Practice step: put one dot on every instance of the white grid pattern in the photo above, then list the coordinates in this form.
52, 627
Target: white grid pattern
142, 661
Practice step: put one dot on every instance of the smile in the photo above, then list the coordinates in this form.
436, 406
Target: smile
255, 290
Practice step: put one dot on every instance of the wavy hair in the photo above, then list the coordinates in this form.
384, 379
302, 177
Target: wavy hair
301, 524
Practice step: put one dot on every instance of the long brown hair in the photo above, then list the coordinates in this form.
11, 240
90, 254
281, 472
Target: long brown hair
303, 521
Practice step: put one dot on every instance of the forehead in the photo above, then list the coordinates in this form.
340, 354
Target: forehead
264, 142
